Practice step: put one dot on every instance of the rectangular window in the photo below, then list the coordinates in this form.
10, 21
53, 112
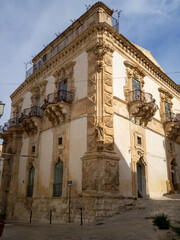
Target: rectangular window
136, 87
60, 141
33, 149
139, 140
167, 111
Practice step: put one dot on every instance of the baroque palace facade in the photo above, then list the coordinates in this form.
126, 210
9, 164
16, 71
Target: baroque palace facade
96, 118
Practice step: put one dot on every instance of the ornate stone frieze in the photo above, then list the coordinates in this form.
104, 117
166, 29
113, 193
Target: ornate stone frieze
100, 174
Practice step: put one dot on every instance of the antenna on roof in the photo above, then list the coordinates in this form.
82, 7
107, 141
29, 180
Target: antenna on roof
118, 14
57, 34
72, 20
87, 7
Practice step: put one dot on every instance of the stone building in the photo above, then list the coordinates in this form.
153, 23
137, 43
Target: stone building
95, 111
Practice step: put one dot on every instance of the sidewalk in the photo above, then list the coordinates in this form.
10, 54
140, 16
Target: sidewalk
134, 223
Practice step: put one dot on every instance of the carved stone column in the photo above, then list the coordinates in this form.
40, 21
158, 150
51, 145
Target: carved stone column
100, 168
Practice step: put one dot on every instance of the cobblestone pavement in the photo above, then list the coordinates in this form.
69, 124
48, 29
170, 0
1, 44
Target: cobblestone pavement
133, 223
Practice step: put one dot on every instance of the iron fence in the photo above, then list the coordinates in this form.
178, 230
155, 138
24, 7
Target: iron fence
31, 112
172, 117
53, 98
138, 95
74, 33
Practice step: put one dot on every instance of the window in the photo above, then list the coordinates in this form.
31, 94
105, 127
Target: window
33, 149
60, 141
167, 111
62, 90
170, 147
136, 87
58, 179
30, 185
139, 140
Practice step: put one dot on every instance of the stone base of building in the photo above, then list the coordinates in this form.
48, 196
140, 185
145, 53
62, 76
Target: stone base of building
56, 210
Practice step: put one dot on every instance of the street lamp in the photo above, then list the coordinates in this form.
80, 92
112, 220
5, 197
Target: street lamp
1, 108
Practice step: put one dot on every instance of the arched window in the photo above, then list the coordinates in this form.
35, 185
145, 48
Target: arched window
58, 179
30, 185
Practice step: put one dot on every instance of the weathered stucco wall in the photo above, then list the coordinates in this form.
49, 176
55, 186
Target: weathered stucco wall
78, 141
22, 168
122, 148
46, 148
26, 100
50, 85
156, 164
119, 75
176, 105
80, 76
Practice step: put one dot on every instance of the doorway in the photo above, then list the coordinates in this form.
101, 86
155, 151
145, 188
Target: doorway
141, 180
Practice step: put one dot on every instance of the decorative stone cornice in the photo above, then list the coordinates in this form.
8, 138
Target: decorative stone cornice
120, 42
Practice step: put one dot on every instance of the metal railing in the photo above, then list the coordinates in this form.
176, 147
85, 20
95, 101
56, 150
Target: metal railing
115, 23
13, 122
74, 34
53, 98
57, 190
172, 117
31, 112
29, 191
138, 95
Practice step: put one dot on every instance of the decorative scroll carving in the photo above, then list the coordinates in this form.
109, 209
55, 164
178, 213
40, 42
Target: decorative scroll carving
32, 125
58, 113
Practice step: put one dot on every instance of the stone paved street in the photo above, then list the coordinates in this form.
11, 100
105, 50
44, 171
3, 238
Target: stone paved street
135, 222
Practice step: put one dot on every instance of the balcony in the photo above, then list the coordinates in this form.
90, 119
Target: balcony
76, 30
57, 106
172, 126
30, 119
12, 125
142, 106
31, 112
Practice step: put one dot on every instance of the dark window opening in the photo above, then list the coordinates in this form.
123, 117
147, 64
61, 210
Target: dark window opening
58, 179
139, 140
60, 141
33, 149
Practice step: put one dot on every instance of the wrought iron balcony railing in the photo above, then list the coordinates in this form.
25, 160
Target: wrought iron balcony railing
57, 190
31, 112
53, 98
13, 122
29, 191
138, 95
69, 38
172, 117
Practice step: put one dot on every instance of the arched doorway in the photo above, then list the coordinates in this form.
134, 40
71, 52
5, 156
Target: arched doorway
141, 179
174, 175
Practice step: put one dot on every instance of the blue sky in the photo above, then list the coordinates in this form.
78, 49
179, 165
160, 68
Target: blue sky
27, 25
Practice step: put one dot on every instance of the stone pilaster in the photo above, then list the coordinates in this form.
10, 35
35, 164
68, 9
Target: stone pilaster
100, 166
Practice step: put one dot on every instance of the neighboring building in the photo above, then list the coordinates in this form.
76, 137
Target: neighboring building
1, 164
97, 110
